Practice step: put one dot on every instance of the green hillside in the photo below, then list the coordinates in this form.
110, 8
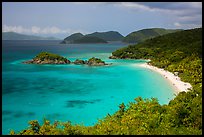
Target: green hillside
17, 36
176, 52
144, 34
71, 38
98, 37
89, 39
180, 52
108, 36
172, 52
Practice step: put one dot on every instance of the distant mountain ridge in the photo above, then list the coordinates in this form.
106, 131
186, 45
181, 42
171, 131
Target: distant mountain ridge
133, 37
96, 37
144, 34
18, 36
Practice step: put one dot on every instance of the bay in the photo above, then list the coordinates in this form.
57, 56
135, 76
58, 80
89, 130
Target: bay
77, 93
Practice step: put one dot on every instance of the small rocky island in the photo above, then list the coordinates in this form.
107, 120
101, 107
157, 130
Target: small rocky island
91, 62
96, 62
50, 58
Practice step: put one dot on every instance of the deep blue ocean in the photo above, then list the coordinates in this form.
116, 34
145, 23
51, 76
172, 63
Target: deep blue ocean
77, 93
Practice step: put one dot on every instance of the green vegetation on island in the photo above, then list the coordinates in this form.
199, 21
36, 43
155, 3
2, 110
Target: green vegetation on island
48, 58
79, 62
89, 39
144, 34
71, 38
179, 51
96, 37
96, 62
91, 62
17, 36
108, 36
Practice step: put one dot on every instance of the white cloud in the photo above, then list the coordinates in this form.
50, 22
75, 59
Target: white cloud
196, 4
177, 24
134, 5
35, 29
193, 25
18, 29
187, 25
82, 3
40, 30
52, 30
47, 30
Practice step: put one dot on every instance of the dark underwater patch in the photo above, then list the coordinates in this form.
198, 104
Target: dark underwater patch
11, 86
6, 119
18, 115
23, 114
30, 114
7, 112
80, 103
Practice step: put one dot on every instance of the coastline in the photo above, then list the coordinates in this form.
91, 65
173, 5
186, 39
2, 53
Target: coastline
178, 85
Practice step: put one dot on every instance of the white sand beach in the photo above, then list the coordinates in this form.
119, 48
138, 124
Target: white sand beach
174, 80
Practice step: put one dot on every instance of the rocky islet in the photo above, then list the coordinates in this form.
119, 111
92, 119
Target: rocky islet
50, 58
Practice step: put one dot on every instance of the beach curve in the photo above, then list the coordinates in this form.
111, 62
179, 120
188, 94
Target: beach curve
173, 79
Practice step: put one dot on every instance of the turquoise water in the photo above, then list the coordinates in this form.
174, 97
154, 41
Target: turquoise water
77, 93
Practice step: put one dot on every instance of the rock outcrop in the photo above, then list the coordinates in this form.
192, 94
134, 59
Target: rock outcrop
79, 62
48, 58
96, 62
91, 62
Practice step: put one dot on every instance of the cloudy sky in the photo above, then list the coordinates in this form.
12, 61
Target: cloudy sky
64, 18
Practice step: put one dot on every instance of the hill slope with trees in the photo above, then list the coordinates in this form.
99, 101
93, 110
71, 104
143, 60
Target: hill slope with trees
89, 39
108, 36
144, 34
71, 38
96, 37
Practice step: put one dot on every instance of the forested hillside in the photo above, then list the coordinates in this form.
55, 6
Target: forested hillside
89, 39
96, 37
180, 51
108, 36
71, 38
144, 34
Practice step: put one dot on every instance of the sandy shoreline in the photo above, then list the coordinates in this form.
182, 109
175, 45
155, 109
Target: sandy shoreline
174, 80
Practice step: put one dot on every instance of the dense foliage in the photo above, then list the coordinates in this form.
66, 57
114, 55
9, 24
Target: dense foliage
49, 56
97, 60
96, 37
180, 51
176, 52
89, 39
91, 62
71, 38
144, 34
108, 36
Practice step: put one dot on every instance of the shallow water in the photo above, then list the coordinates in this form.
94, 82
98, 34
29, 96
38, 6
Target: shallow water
77, 93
